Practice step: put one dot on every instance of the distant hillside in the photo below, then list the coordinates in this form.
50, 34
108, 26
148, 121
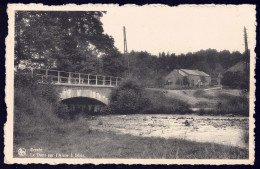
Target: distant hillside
151, 70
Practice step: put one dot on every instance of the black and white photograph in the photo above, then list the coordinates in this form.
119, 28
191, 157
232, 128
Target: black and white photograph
130, 84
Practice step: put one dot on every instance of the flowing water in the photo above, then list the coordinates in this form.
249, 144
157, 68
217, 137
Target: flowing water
213, 129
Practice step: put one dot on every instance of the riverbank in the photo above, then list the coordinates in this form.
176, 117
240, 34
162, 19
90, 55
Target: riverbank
87, 143
92, 138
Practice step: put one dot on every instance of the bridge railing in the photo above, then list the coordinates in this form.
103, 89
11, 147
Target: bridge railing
62, 77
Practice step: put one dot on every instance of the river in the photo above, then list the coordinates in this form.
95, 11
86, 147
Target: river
214, 129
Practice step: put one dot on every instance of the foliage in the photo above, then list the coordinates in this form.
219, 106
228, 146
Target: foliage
236, 105
131, 98
69, 41
113, 64
34, 98
236, 80
229, 105
150, 69
143, 67
37, 110
160, 104
31, 109
128, 98
45, 91
76, 42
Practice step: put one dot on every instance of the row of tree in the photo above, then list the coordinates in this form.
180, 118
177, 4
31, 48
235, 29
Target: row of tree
75, 41
151, 69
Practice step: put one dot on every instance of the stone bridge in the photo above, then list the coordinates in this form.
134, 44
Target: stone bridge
75, 85
100, 93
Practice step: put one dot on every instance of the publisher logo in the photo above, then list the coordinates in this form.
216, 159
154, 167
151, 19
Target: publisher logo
22, 152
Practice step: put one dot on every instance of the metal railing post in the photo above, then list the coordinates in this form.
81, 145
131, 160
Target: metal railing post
72, 78
58, 76
69, 79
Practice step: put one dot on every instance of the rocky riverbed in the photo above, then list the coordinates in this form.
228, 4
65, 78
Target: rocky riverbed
213, 129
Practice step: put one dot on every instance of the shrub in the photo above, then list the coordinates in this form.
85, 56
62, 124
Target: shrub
31, 113
37, 111
26, 82
160, 104
131, 98
36, 105
230, 105
236, 80
236, 105
128, 98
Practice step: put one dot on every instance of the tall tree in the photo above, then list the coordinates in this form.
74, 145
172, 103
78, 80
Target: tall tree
113, 64
70, 41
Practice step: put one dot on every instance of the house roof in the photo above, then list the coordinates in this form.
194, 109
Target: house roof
182, 73
201, 73
189, 72
239, 66
193, 72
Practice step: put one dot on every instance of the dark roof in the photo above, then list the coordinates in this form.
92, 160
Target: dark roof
239, 66
193, 72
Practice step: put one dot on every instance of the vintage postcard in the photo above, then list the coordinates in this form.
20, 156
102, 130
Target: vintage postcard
110, 84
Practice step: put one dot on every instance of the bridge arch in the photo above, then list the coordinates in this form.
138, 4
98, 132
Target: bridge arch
71, 93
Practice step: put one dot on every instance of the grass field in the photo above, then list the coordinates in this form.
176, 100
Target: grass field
194, 97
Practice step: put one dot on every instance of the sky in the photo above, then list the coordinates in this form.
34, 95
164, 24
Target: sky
181, 29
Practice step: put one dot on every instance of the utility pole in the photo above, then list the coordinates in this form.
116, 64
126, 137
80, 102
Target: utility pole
246, 43
125, 49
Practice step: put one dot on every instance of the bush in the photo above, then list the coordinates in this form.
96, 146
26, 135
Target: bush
45, 90
32, 114
160, 104
230, 105
128, 98
131, 98
236, 105
36, 105
236, 80
37, 111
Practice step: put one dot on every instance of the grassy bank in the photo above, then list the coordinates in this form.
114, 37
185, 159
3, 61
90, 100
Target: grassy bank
226, 104
78, 138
